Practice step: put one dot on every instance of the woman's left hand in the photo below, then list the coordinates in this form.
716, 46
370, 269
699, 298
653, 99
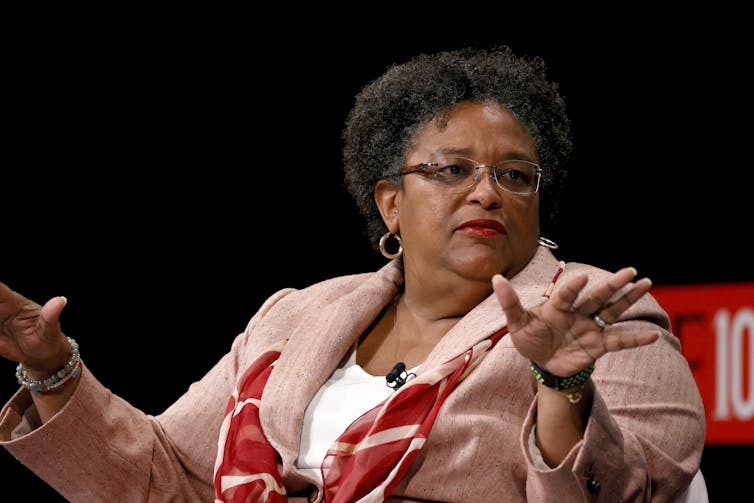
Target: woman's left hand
564, 338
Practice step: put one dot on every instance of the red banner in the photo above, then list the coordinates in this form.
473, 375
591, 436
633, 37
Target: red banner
715, 324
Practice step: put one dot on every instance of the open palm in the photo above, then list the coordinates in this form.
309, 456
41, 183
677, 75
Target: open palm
563, 337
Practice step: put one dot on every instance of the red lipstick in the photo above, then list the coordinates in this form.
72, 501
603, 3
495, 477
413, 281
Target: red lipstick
482, 228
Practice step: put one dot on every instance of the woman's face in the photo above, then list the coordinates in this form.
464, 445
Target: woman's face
472, 232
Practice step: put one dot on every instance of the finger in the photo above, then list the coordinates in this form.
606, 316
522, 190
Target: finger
613, 311
628, 340
509, 301
50, 314
565, 296
601, 295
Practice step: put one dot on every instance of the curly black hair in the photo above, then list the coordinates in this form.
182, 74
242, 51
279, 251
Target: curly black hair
389, 111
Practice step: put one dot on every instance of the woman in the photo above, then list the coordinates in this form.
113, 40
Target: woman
527, 378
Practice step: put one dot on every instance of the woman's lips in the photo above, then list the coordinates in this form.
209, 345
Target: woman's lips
482, 228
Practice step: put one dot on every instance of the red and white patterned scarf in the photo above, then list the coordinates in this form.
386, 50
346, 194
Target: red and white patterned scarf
366, 462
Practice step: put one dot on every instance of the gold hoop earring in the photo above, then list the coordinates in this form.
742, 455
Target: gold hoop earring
548, 243
387, 254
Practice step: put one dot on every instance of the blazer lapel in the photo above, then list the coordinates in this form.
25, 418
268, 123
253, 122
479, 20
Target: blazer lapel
313, 352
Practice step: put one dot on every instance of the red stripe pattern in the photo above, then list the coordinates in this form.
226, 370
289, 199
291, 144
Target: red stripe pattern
246, 464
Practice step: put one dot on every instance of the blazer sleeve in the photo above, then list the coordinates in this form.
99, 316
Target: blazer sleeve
645, 433
100, 448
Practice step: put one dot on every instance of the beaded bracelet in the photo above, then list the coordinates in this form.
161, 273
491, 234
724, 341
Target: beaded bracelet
560, 383
69, 371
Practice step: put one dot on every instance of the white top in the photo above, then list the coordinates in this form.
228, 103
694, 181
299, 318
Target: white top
348, 393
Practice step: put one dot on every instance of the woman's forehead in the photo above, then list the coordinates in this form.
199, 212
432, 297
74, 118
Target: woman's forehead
471, 128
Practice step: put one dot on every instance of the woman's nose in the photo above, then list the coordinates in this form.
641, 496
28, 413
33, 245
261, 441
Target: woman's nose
485, 189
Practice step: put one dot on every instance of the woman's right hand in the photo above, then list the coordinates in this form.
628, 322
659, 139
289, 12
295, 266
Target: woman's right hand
31, 334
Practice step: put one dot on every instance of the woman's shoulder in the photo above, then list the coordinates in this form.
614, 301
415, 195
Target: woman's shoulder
590, 270
326, 291
339, 285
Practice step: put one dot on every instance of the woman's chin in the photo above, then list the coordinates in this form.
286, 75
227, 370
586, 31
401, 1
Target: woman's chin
480, 268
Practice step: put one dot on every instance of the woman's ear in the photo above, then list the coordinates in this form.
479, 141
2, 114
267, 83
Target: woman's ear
387, 197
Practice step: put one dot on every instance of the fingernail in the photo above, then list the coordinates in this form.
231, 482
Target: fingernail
648, 281
65, 301
633, 270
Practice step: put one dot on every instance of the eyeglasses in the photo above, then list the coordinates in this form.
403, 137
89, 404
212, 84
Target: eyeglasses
519, 177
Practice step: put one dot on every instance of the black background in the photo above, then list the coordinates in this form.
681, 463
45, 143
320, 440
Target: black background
168, 173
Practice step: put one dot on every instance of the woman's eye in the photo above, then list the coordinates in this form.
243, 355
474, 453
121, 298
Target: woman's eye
453, 169
515, 175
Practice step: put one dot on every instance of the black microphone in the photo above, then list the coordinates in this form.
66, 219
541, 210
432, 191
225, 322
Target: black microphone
397, 377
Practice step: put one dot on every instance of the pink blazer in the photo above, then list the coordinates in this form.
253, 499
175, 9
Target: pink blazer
643, 441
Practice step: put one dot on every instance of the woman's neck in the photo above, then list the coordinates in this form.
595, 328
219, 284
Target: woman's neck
436, 297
